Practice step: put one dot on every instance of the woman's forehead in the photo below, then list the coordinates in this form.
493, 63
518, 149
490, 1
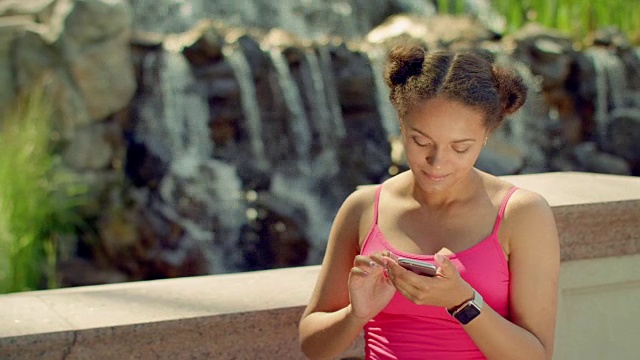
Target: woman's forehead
441, 111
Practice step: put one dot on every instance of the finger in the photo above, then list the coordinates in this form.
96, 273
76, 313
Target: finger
366, 263
391, 255
446, 268
358, 272
399, 275
379, 258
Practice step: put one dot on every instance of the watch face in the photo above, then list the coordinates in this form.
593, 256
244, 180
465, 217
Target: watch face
467, 313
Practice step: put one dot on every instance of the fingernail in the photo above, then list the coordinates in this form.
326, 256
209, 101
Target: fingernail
372, 263
439, 258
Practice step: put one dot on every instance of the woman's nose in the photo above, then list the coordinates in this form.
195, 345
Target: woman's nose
435, 158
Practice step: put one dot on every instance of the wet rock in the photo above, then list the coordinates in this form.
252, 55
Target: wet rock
96, 44
10, 27
250, 43
202, 44
21, 7
118, 233
631, 60
35, 60
84, 47
89, 149
609, 36
434, 32
146, 39
548, 53
82, 272
591, 159
276, 237
624, 135
354, 80
499, 158
143, 167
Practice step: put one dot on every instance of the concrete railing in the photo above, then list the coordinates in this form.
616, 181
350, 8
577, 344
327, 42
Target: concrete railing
254, 315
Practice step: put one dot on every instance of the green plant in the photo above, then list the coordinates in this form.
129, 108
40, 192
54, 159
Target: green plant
576, 18
37, 199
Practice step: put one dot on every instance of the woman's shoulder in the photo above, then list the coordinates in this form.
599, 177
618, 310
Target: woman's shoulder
521, 200
522, 206
528, 213
365, 195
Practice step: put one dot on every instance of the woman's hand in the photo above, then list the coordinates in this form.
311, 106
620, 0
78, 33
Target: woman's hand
446, 289
370, 289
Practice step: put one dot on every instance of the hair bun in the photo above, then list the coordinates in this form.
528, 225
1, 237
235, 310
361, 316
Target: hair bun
403, 63
512, 89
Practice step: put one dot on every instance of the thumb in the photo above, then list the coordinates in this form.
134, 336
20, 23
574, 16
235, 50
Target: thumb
447, 269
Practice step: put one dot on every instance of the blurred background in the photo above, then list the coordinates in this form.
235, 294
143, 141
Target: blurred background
147, 139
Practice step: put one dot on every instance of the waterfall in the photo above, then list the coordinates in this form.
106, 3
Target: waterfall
319, 105
166, 16
238, 61
484, 12
318, 209
174, 116
301, 134
331, 88
526, 129
636, 94
385, 109
525, 124
174, 126
611, 86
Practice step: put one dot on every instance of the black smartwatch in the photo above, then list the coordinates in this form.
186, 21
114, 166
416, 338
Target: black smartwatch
469, 310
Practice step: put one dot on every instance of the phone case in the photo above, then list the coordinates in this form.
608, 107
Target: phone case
418, 267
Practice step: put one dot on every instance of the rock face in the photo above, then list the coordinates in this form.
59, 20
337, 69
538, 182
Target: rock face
210, 147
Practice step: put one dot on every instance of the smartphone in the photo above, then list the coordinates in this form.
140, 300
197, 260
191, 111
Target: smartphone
418, 267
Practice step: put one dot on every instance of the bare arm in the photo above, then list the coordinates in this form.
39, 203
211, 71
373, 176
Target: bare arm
329, 323
534, 263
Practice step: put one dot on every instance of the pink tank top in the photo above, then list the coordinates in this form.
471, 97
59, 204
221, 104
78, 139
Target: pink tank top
404, 330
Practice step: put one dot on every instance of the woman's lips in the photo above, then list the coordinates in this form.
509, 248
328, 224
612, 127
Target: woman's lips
436, 177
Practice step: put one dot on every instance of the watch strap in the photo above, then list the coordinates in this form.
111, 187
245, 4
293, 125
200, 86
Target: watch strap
469, 310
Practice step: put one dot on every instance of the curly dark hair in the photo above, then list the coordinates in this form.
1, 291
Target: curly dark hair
414, 76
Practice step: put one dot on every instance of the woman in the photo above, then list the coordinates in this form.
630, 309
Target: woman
495, 246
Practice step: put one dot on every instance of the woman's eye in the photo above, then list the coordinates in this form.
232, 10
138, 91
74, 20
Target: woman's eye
420, 143
461, 151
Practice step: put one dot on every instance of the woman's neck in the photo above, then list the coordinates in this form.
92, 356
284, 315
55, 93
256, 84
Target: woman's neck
458, 192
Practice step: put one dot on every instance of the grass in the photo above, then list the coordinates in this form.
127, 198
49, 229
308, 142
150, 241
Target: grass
576, 18
37, 200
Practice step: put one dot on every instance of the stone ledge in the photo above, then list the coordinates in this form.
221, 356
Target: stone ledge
254, 315
597, 215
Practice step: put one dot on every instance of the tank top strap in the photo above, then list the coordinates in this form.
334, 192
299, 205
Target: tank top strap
503, 206
375, 204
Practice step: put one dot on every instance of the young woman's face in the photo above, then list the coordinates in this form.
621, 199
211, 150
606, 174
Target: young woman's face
442, 140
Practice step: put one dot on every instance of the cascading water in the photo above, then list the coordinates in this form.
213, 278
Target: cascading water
305, 114
515, 146
387, 112
186, 114
611, 87
301, 133
317, 95
307, 18
333, 101
173, 126
238, 61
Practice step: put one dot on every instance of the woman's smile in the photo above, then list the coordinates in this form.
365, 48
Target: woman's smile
435, 177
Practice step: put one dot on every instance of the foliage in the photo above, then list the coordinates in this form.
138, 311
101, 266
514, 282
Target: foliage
37, 200
576, 18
